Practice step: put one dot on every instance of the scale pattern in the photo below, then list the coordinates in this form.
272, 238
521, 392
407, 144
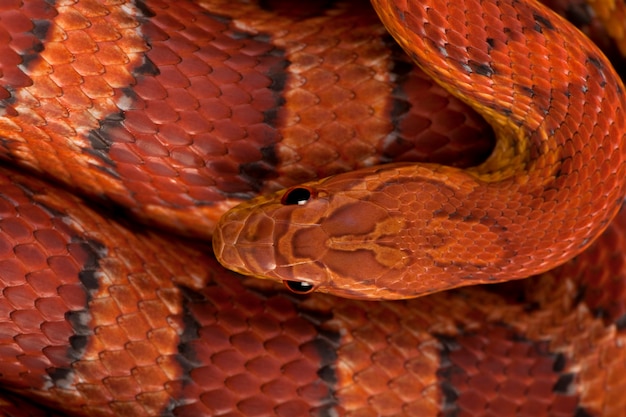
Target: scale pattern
405, 230
100, 316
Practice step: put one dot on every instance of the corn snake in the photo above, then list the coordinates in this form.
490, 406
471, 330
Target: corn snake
259, 358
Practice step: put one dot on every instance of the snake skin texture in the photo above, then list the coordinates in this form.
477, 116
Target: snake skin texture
552, 184
117, 114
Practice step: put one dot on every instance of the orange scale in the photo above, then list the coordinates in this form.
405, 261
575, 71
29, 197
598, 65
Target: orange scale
31, 343
102, 31
283, 347
245, 115
104, 312
149, 147
161, 113
219, 401
186, 158
136, 329
194, 66
227, 131
244, 384
299, 407
265, 326
8, 332
298, 330
171, 77
243, 64
161, 55
79, 42
229, 361
31, 254
193, 123
99, 399
360, 79
159, 168
248, 344
301, 371
52, 308
128, 163
95, 87
219, 337
149, 378
150, 89
208, 377
122, 387
34, 378
137, 122
181, 100
29, 338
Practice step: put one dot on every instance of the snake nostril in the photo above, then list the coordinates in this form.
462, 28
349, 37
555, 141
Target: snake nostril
296, 195
299, 287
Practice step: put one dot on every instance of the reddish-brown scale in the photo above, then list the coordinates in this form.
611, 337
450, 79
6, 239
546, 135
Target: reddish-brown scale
178, 113
214, 344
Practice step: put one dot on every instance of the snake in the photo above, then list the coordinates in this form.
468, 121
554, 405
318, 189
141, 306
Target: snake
129, 128
410, 230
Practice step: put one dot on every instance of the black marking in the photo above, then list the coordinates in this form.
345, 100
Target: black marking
147, 68
620, 322
144, 9
305, 10
581, 412
278, 75
325, 344
41, 28
542, 22
255, 173
80, 319
481, 69
564, 384
102, 139
596, 62
399, 107
94, 250
559, 363
187, 356
529, 92
446, 373
61, 376
453, 377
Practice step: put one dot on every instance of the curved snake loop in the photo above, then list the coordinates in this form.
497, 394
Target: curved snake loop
169, 110
552, 184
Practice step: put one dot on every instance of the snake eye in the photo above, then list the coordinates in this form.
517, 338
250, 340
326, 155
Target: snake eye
296, 195
299, 287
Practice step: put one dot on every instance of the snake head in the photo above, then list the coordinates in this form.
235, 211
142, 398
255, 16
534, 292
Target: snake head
378, 233
331, 236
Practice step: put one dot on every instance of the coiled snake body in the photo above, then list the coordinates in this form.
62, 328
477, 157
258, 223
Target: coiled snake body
170, 113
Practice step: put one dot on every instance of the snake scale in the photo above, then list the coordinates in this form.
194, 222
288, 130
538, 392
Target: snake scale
149, 119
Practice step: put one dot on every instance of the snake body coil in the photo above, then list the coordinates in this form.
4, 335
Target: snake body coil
553, 183
168, 112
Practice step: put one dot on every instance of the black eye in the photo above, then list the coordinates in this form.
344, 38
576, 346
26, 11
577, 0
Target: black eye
296, 195
299, 287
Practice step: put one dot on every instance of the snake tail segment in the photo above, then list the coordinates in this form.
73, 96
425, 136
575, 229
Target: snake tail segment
551, 186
